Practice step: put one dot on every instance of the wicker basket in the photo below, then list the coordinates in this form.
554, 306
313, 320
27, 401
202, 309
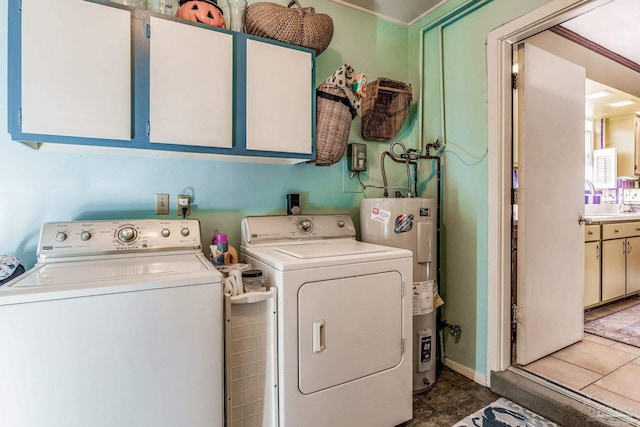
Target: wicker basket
384, 109
334, 114
299, 26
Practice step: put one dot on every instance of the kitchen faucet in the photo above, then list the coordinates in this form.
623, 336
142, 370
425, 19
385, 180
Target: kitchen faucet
592, 187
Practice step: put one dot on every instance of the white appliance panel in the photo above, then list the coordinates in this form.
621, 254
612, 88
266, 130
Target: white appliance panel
380, 400
126, 359
349, 328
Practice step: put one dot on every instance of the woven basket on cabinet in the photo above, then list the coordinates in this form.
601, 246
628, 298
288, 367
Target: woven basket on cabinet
384, 109
299, 26
334, 114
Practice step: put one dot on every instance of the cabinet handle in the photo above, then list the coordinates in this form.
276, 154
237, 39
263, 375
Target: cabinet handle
597, 251
629, 247
590, 233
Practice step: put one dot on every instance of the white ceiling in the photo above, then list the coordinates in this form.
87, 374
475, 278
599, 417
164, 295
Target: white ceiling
400, 11
614, 26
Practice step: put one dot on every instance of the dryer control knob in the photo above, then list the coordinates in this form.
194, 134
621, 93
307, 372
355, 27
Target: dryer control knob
85, 235
61, 236
340, 223
184, 232
165, 232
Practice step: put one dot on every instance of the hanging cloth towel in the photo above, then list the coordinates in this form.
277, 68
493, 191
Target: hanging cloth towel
343, 78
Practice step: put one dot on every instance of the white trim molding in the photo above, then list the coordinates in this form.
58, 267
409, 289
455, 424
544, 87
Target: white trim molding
466, 371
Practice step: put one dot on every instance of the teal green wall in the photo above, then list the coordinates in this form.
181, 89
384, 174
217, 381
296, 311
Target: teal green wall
47, 185
453, 60
41, 186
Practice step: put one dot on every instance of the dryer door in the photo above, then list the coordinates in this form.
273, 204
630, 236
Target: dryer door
349, 328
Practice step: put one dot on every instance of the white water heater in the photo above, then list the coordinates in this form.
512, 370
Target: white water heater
411, 223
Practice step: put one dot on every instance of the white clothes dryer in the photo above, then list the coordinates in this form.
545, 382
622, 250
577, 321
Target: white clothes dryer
118, 324
344, 320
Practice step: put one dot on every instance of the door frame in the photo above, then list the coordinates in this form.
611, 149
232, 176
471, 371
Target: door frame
499, 66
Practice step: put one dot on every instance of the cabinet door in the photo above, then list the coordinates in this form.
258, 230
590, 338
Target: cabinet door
279, 103
633, 264
613, 268
191, 85
592, 273
76, 69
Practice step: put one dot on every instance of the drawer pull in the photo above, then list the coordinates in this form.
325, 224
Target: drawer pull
590, 233
616, 230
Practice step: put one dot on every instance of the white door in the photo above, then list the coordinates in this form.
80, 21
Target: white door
349, 328
191, 85
76, 69
279, 103
550, 267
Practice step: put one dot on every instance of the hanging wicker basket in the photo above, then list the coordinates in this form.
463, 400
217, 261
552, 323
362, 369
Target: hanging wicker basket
299, 26
384, 109
334, 114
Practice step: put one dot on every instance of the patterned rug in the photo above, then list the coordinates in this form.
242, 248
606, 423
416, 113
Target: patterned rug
504, 413
622, 326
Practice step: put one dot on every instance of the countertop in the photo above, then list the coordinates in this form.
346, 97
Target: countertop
613, 217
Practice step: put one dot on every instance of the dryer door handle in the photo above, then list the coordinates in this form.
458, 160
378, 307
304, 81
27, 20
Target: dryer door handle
318, 336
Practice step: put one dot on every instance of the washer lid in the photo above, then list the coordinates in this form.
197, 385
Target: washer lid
110, 275
325, 250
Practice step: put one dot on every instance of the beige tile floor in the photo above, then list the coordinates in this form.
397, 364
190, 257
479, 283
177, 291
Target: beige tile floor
599, 368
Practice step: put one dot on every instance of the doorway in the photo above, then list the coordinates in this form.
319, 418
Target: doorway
500, 43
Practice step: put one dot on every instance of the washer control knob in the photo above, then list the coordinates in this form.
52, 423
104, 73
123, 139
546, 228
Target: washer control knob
165, 232
184, 232
340, 223
127, 234
61, 236
305, 225
85, 235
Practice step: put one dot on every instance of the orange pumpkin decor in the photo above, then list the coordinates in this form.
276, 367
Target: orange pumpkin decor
205, 11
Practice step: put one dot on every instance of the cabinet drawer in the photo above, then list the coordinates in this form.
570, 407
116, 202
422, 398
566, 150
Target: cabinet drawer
619, 230
591, 233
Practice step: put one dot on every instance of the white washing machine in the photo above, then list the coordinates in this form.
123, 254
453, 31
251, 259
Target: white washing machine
118, 324
344, 320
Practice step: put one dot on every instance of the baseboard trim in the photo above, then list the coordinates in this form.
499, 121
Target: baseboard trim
466, 371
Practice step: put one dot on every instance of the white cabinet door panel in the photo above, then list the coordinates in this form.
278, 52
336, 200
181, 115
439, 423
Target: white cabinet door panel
76, 69
633, 264
191, 85
613, 268
279, 104
592, 273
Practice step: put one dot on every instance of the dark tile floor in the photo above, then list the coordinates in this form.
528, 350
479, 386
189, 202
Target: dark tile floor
452, 398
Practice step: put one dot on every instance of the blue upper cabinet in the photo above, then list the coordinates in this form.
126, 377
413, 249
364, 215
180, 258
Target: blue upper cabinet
95, 73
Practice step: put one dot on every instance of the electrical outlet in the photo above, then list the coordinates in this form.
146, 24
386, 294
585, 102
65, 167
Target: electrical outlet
162, 204
350, 183
184, 205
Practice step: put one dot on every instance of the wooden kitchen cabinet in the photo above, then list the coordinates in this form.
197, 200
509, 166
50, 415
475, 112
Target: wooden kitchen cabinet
613, 269
134, 79
633, 264
592, 249
73, 61
620, 259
